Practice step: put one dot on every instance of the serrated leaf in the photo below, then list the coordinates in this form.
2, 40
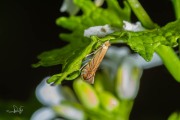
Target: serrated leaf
72, 65
71, 56
94, 16
146, 42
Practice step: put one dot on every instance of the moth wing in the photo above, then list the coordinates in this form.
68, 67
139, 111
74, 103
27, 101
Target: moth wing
91, 80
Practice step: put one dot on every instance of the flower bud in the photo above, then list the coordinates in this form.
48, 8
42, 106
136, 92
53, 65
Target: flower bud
99, 2
68, 94
70, 7
47, 94
86, 94
108, 101
69, 111
44, 113
127, 79
102, 82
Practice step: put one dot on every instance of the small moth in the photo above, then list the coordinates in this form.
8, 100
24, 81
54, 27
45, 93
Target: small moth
89, 70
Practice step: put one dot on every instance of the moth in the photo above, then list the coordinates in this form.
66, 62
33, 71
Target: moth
89, 70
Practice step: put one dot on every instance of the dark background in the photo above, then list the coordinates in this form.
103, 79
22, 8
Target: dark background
27, 28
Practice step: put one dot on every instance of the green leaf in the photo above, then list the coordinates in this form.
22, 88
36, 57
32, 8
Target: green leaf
72, 65
146, 42
79, 47
93, 16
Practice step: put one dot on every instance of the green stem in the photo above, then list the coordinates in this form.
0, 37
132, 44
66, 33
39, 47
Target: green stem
170, 60
126, 108
176, 4
141, 14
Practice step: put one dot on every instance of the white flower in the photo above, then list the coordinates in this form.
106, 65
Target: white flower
70, 7
99, 2
68, 111
114, 57
117, 53
129, 68
99, 31
127, 79
156, 61
44, 113
133, 27
47, 94
53, 97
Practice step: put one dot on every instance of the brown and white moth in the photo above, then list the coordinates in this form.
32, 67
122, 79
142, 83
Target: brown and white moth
89, 70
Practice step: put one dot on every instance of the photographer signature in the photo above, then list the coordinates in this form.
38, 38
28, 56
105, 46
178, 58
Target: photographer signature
16, 109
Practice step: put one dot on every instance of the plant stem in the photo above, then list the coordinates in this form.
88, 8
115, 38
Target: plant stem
126, 106
141, 14
170, 60
176, 4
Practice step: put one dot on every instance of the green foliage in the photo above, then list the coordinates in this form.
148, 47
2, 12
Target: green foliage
176, 5
79, 47
97, 103
146, 42
71, 56
72, 65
